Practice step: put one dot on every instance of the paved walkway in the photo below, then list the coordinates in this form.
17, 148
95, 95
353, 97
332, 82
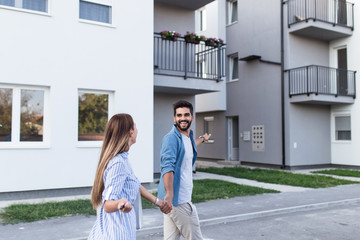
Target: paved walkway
290, 200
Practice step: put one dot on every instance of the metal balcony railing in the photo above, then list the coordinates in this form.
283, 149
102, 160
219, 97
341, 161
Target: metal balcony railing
336, 12
322, 80
178, 58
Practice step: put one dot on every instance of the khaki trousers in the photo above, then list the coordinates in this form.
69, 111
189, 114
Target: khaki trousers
183, 221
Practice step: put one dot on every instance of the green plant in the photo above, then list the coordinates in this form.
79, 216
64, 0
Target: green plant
214, 42
170, 35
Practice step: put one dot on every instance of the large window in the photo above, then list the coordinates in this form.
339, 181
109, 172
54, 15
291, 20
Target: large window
93, 115
22, 115
232, 11
35, 5
95, 12
342, 128
233, 68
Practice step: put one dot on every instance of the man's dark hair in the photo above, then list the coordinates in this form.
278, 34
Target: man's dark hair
181, 104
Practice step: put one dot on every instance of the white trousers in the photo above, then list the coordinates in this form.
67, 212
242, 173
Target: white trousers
183, 221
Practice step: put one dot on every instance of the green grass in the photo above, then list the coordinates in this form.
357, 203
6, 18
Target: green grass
278, 177
210, 189
204, 190
33, 212
340, 172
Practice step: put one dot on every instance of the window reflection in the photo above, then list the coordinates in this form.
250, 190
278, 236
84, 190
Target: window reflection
93, 116
32, 115
5, 114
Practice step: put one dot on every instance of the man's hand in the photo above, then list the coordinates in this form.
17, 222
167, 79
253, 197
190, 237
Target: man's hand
164, 206
206, 137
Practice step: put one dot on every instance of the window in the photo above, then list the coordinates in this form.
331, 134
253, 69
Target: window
93, 115
232, 11
95, 12
35, 5
202, 19
233, 68
342, 128
22, 115
209, 127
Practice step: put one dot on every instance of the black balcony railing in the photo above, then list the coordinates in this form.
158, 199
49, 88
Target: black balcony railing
321, 80
178, 58
336, 12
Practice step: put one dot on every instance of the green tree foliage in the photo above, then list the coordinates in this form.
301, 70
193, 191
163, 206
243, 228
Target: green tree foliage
93, 113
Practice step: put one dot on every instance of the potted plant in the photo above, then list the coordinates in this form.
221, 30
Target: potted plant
170, 35
214, 42
191, 37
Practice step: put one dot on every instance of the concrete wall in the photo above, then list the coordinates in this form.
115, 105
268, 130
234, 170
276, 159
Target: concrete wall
64, 54
173, 19
164, 120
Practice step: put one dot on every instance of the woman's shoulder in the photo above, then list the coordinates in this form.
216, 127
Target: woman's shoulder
118, 161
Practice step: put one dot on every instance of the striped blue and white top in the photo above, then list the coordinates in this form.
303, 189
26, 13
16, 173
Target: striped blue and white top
119, 182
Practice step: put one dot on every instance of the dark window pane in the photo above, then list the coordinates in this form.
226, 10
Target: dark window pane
5, 114
10, 3
36, 5
95, 12
32, 115
93, 116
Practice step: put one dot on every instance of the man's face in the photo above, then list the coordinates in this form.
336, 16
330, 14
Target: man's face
183, 118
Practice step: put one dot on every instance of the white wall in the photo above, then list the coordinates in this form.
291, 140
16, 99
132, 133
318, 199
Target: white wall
66, 54
347, 152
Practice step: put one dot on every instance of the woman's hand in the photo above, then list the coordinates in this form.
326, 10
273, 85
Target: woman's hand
124, 205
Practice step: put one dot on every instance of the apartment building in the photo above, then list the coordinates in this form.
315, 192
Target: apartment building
183, 70
291, 85
67, 67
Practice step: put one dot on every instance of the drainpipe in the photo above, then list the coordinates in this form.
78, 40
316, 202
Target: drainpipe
282, 85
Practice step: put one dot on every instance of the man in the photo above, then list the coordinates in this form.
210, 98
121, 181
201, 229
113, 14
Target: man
178, 155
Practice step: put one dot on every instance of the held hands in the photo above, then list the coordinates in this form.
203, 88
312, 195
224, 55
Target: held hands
164, 206
124, 205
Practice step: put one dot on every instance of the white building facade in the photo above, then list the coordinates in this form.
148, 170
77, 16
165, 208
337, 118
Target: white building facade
67, 67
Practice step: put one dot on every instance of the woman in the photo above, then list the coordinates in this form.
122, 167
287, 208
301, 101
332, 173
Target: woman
116, 187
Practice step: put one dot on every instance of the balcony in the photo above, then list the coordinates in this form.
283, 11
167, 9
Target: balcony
188, 4
321, 19
321, 85
187, 68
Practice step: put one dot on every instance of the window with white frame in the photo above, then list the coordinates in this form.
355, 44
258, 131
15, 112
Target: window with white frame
232, 11
209, 125
35, 5
342, 128
202, 19
233, 67
94, 112
23, 115
94, 11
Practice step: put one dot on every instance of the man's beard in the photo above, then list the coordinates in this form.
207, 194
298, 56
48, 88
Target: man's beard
185, 128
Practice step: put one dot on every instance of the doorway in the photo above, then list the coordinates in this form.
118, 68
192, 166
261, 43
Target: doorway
233, 138
342, 72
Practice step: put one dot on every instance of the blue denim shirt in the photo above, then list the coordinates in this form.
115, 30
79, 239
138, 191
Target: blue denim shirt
171, 157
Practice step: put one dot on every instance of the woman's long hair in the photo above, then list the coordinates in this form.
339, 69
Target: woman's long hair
116, 140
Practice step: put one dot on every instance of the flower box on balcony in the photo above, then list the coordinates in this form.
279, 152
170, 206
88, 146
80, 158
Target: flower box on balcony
191, 37
170, 35
213, 42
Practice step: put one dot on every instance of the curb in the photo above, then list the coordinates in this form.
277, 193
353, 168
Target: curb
254, 215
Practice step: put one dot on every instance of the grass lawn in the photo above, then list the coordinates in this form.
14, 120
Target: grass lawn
341, 172
278, 177
204, 190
